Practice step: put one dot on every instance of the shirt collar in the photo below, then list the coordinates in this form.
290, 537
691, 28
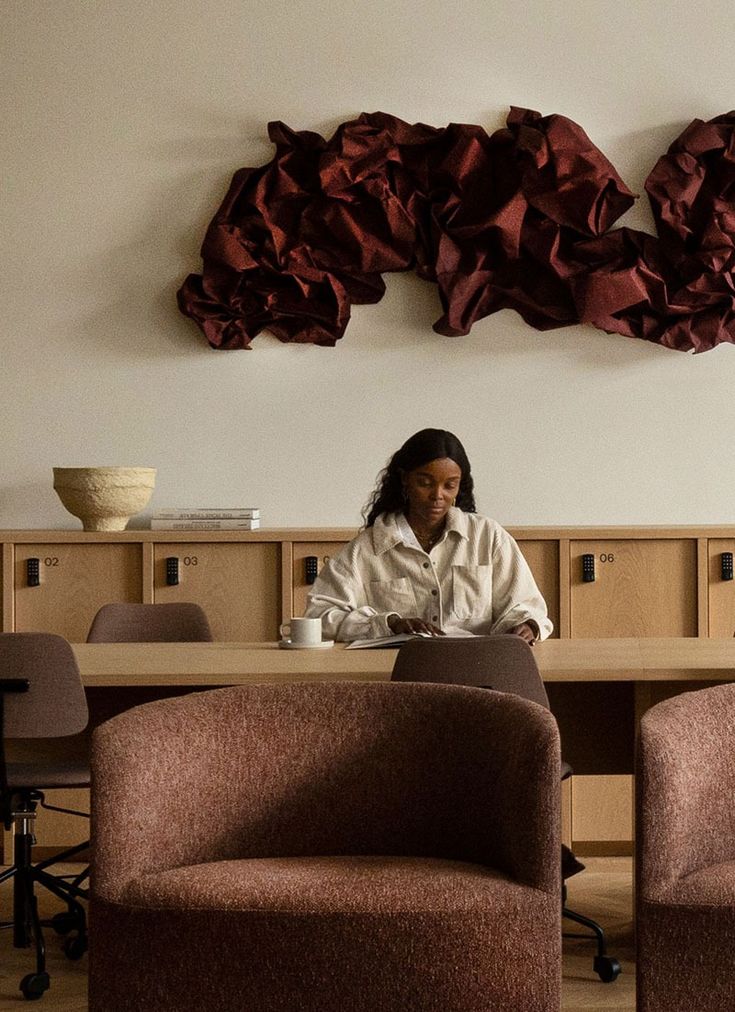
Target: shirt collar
391, 529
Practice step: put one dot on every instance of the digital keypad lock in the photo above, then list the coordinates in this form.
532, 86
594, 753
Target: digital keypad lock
172, 571
33, 572
588, 568
311, 569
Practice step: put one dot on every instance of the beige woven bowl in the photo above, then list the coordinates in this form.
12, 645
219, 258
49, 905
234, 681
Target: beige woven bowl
104, 498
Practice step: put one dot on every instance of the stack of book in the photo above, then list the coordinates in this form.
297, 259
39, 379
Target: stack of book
242, 518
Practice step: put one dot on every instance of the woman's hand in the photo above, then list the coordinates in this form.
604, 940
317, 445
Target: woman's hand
526, 631
417, 626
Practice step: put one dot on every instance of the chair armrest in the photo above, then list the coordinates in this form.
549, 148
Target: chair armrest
685, 784
527, 805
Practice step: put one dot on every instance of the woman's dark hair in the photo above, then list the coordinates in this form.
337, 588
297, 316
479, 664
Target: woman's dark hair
420, 449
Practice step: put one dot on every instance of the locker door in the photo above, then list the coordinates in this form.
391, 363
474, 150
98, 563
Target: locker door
320, 551
543, 558
238, 585
74, 581
640, 588
721, 589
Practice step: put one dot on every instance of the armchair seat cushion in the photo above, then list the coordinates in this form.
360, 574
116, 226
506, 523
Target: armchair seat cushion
324, 885
299, 934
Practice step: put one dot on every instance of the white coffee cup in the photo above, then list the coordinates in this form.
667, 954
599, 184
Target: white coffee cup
303, 631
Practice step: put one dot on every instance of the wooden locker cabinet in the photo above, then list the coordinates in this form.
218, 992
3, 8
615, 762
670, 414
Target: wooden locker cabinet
75, 580
238, 585
721, 590
646, 582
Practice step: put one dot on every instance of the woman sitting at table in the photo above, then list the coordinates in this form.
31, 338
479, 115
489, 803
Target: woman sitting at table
425, 561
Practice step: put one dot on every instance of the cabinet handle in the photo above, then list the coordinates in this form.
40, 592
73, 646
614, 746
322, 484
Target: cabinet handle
311, 568
33, 572
726, 565
172, 571
588, 569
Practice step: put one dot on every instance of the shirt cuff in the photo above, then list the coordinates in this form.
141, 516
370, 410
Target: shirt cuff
381, 624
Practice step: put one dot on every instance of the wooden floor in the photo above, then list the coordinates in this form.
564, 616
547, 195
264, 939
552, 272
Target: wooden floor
603, 891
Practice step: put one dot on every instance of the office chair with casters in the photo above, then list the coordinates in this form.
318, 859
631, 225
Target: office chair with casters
41, 696
174, 622
504, 663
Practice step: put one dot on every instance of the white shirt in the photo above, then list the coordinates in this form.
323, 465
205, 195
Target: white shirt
474, 578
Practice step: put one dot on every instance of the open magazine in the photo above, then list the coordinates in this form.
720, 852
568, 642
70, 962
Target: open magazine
398, 638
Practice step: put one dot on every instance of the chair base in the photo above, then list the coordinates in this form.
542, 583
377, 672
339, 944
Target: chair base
26, 924
606, 967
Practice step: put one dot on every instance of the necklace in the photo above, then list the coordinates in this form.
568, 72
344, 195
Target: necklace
427, 541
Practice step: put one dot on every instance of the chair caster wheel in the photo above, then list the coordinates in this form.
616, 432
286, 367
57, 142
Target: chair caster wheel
607, 968
64, 922
33, 985
75, 946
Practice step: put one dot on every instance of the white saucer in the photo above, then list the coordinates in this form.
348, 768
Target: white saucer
288, 645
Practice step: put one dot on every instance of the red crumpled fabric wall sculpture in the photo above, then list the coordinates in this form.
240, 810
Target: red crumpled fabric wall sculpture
518, 219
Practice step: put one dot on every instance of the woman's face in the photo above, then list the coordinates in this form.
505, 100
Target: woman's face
431, 489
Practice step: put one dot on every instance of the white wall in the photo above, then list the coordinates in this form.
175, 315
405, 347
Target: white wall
123, 121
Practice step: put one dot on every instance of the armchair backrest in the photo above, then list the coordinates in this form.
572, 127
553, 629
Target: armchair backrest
329, 768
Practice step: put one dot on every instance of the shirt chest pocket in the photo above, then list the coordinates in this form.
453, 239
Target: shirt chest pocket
392, 595
472, 591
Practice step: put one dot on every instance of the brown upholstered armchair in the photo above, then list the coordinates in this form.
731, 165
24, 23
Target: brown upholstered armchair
324, 847
685, 842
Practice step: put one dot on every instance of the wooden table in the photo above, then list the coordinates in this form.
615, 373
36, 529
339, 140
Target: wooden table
640, 661
597, 689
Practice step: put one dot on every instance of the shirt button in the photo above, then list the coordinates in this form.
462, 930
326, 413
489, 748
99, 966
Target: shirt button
434, 618
435, 592
426, 565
